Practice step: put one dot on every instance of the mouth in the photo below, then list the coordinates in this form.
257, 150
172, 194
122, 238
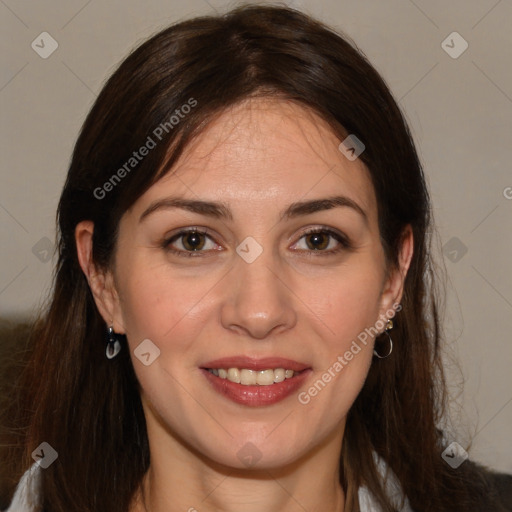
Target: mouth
255, 382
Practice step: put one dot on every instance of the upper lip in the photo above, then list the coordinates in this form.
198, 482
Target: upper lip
251, 363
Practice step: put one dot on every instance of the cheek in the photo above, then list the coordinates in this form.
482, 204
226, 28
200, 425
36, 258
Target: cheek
348, 306
171, 312
163, 306
347, 303
345, 356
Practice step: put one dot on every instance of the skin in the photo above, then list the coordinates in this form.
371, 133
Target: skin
292, 301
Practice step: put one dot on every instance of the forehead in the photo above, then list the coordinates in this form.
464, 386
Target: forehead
266, 149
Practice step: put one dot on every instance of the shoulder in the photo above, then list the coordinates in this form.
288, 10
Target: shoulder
27, 495
498, 495
498, 486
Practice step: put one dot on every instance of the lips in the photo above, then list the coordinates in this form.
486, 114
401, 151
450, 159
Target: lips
256, 395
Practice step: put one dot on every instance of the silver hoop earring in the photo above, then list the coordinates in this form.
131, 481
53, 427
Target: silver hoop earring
113, 344
389, 326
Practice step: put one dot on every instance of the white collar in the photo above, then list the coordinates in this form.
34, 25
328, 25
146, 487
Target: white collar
393, 489
26, 497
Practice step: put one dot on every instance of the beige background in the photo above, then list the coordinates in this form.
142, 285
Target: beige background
460, 112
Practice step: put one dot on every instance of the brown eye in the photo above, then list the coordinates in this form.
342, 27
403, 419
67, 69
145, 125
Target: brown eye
322, 241
317, 241
193, 241
190, 243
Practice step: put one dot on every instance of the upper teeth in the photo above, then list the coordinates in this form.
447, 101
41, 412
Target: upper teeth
253, 377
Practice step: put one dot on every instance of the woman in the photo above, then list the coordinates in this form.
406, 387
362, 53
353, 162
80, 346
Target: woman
244, 314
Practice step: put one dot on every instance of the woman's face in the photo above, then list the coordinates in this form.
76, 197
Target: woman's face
253, 284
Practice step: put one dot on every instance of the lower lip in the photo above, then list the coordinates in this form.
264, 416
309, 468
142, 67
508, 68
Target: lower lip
256, 396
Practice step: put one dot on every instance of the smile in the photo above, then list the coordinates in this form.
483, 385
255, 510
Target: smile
254, 394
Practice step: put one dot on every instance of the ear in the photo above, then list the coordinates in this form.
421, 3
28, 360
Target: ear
101, 282
393, 288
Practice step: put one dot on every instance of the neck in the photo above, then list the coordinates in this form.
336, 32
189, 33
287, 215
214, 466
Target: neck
181, 479
232, 492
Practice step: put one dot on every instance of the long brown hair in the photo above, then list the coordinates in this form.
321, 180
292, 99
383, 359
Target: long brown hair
87, 407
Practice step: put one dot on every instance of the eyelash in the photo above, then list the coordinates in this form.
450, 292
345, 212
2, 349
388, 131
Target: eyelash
343, 242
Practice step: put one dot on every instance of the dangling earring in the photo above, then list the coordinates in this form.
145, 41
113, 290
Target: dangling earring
389, 326
113, 344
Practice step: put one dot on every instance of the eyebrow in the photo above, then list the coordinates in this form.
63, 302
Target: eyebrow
221, 210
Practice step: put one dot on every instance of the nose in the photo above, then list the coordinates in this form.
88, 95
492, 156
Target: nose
258, 301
